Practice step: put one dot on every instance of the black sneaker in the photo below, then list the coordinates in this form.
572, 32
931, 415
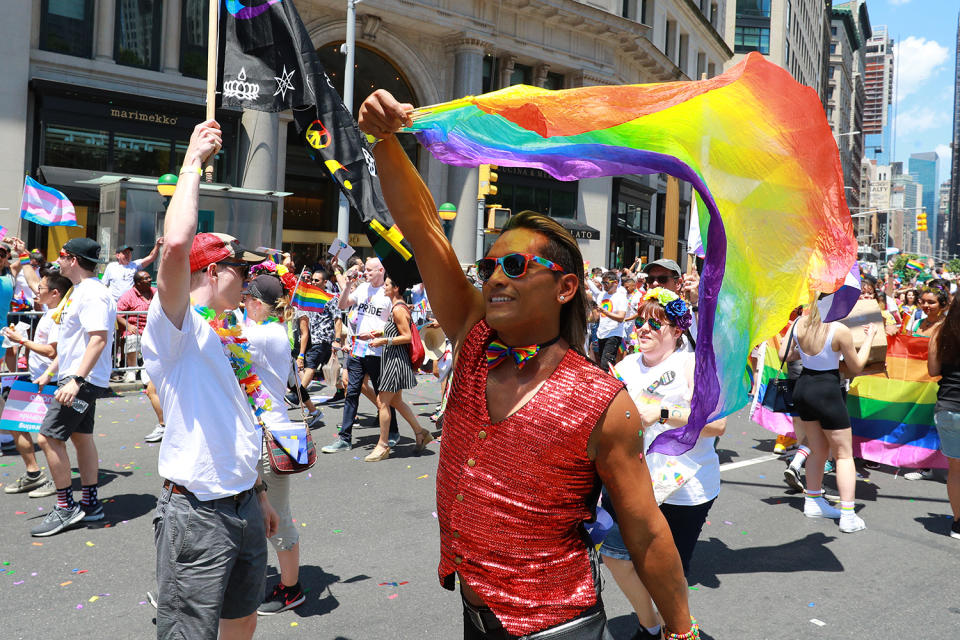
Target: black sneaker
281, 599
58, 520
792, 477
92, 512
955, 529
643, 634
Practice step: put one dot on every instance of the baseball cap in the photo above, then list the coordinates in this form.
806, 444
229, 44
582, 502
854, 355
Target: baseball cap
266, 287
124, 248
663, 263
213, 247
86, 248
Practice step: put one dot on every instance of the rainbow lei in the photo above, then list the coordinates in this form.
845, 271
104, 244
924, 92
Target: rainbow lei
237, 350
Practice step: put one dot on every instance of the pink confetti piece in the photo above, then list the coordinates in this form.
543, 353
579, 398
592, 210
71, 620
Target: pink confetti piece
79, 606
392, 596
19, 582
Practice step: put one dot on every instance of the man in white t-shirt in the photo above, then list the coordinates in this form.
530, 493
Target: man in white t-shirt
118, 276
612, 304
212, 516
87, 318
373, 310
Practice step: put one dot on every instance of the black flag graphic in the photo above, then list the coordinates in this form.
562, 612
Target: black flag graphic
269, 64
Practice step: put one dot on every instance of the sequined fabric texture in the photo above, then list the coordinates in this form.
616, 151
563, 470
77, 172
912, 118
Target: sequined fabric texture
511, 496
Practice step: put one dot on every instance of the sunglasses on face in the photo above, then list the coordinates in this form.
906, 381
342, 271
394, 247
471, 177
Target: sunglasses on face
655, 324
243, 268
661, 279
513, 265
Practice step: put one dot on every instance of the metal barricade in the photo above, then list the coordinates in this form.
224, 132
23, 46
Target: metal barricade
117, 351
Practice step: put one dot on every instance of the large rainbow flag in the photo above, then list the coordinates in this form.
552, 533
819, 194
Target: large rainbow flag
758, 150
309, 297
892, 413
769, 369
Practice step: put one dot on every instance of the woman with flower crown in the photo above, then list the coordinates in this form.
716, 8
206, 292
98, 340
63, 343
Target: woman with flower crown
660, 380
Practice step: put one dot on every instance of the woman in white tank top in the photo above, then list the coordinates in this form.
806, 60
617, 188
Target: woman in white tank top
821, 407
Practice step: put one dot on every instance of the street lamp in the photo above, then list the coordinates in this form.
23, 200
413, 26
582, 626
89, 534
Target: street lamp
447, 212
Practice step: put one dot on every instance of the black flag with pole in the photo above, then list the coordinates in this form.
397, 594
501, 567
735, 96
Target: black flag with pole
269, 64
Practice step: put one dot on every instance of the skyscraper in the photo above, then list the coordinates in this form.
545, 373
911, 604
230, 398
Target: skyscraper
878, 83
953, 225
926, 166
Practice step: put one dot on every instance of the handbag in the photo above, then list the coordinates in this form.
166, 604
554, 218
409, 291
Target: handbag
415, 348
778, 396
281, 462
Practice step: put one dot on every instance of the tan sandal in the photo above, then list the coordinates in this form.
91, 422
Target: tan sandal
377, 457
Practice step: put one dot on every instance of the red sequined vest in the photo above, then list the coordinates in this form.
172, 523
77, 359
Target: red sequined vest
511, 496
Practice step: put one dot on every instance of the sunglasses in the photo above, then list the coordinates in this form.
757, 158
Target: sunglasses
243, 268
655, 324
513, 265
65, 254
661, 279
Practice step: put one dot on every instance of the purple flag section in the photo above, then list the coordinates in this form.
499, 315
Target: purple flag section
842, 301
46, 206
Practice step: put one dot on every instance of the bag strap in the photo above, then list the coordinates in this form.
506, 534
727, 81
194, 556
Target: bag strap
786, 352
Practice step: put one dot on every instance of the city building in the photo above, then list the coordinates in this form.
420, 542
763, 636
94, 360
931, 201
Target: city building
101, 88
926, 166
945, 222
878, 85
953, 237
791, 33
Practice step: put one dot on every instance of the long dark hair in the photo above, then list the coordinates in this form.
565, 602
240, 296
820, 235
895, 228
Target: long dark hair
948, 335
562, 249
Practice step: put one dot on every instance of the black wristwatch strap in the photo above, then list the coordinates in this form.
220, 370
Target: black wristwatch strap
664, 414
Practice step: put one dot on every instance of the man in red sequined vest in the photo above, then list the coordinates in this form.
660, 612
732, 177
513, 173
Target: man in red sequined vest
531, 429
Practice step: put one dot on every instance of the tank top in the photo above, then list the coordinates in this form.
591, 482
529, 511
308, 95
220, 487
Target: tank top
827, 359
948, 391
512, 496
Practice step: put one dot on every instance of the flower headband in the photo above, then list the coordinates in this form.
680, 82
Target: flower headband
676, 309
269, 266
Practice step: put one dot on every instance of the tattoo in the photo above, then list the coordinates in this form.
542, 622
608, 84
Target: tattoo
676, 413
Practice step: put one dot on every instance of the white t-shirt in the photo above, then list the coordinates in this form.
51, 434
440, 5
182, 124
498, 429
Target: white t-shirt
212, 444
634, 301
47, 332
270, 348
119, 278
21, 289
614, 303
89, 308
668, 383
373, 312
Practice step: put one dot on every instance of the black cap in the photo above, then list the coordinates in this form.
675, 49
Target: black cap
267, 288
125, 247
83, 248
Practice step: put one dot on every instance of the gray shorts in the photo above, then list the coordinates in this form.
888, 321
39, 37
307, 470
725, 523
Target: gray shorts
211, 562
62, 422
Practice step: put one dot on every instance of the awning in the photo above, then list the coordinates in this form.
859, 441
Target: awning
66, 180
579, 230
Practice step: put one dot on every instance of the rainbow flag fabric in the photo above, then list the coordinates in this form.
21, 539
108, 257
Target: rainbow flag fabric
769, 369
46, 206
308, 297
756, 147
915, 265
892, 413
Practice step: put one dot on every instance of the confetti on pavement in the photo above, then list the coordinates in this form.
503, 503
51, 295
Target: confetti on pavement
819, 623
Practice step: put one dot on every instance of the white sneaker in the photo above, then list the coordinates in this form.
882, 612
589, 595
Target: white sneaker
922, 474
156, 435
130, 376
851, 523
819, 508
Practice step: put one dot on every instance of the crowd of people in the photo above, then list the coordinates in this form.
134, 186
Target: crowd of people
527, 461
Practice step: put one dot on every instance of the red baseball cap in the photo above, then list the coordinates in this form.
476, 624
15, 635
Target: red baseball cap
214, 247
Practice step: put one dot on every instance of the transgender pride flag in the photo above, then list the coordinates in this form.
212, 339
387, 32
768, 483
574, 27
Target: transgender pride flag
46, 206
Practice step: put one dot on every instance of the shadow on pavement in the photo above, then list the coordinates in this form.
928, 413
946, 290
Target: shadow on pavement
105, 477
938, 523
623, 627
125, 506
317, 583
713, 558
727, 455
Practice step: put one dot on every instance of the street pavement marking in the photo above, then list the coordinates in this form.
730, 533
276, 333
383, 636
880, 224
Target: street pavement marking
752, 461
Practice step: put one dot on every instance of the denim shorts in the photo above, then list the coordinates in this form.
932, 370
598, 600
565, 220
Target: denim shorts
211, 562
948, 426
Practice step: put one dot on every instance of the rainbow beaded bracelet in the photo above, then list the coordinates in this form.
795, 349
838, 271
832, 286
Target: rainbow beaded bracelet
693, 634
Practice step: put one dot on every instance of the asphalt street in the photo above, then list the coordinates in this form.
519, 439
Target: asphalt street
370, 548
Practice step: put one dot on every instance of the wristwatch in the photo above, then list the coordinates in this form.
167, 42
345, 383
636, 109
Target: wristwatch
664, 415
260, 488
80, 380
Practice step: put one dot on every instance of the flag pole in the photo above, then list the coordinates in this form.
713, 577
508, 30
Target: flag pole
213, 20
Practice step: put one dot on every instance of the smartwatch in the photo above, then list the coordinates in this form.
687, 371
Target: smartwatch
664, 415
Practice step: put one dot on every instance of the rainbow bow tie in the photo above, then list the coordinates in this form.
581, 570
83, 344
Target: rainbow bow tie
497, 352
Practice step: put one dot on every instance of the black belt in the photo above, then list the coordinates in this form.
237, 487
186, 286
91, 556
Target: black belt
183, 491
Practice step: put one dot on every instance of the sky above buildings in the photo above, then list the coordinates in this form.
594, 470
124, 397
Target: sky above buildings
925, 33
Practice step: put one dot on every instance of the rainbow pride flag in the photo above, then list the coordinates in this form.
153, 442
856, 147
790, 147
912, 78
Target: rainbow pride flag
756, 147
916, 265
769, 369
309, 297
46, 206
892, 413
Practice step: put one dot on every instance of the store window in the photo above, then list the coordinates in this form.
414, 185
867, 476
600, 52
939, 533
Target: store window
74, 147
137, 33
139, 155
193, 38
66, 26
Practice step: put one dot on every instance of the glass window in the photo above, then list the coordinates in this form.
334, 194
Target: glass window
137, 33
66, 26
522, 74
140, 156
193, 38
563, 204
833, 48
553, 81
753, 8
72, 147
752, 39
489, 74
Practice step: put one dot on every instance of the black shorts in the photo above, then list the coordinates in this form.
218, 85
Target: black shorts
818, 397
318, 354
61, 422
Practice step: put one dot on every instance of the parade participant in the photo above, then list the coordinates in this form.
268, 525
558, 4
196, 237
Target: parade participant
933, 302
396, 373
136, 301
819, 402
267, 304
666, 273
160, 428
315, 329
87, 318
373, 312
943, 359
523, 446
118, 276
42, 349
910, 300
612, 305
210, 454
660, 380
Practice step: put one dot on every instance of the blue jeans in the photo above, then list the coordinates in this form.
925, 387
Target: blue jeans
357, 368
